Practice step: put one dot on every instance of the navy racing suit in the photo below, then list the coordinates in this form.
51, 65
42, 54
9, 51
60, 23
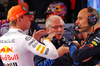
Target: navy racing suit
89, 54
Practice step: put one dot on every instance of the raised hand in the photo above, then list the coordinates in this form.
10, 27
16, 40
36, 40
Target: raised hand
37, 35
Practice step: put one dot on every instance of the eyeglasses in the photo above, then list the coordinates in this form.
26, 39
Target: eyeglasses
56, 27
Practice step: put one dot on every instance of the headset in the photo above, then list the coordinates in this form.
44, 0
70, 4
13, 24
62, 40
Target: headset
92, 18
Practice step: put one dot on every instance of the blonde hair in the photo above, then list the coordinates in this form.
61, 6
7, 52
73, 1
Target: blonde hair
13, 23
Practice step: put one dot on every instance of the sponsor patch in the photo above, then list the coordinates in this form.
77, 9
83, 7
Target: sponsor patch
97, 39
10, 57
34, 45
28, 38
31, 42
38, 47
91, 46
11, 64
94, 43
20, 31
42, 50
7, 41
46, 52
6, 49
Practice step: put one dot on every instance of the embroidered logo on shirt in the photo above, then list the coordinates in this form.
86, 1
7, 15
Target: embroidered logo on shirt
94, 43
28, 38
6, 49
39, 47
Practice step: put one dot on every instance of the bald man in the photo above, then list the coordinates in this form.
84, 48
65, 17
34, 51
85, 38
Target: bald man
89, 53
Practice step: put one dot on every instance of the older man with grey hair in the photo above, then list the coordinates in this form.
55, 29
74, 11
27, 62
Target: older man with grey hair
54, 24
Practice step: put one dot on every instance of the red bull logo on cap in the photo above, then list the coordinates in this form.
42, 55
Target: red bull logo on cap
6, 49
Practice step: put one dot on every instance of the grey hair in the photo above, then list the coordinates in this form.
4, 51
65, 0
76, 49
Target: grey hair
49, 20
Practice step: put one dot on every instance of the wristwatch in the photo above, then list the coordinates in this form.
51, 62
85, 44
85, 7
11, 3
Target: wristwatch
68, 44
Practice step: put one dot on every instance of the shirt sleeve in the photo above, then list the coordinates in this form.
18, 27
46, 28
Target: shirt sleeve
47, 50
88, 50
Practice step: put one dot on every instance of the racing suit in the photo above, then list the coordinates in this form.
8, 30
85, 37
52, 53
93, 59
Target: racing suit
18, 49
89, 54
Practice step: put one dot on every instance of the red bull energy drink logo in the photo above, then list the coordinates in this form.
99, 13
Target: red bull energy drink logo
6, 49
6, 56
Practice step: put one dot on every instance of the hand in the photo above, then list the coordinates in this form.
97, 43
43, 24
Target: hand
50, 36
62, 50
77, 44
37, 35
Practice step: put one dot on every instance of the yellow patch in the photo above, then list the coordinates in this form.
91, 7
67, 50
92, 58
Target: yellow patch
94, 43
48, 39
38, 47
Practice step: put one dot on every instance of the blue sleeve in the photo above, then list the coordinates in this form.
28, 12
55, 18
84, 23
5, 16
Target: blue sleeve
72, 49
46, 62
40, 61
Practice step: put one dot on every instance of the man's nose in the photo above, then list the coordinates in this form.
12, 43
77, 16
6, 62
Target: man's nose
59, 29
77, 21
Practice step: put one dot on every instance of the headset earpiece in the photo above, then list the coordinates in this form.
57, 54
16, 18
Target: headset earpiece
92, 19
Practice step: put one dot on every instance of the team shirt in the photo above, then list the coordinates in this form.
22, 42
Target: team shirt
18, 49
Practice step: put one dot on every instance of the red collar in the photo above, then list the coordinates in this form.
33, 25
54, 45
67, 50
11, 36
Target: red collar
96, 29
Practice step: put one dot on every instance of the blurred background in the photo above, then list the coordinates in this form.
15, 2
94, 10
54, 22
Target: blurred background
41, 7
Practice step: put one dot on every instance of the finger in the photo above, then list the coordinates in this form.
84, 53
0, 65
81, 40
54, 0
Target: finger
34, 33
51, 35
42, 32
